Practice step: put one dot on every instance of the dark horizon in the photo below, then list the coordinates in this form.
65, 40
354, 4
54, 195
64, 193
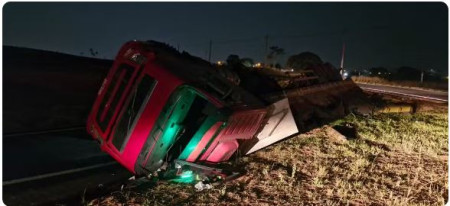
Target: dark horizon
389, 35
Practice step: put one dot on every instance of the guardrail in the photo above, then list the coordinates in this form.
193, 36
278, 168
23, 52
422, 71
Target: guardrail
414, 96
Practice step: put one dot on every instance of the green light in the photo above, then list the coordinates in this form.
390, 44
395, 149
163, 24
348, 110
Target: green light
171, 121
178, 114
187, 174
173, 114
185, 177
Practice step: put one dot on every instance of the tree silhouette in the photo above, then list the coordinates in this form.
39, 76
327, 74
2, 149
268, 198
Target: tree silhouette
247, 62
93, 53
303, 61
379, 72
273, 55
408, 73
233, 60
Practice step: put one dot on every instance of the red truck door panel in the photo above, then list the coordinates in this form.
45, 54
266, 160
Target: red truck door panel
241, 125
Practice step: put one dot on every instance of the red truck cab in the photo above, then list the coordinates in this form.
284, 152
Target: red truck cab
157, 105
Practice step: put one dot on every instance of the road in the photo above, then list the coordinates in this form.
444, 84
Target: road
422, 94
55, 168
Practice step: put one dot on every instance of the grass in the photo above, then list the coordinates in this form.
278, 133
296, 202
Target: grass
396, 159
377, 80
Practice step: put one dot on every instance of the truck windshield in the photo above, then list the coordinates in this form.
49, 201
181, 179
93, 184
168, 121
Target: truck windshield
112, 95
134, 106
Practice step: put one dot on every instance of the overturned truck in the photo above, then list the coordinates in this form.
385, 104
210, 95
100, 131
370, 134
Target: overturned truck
162, 113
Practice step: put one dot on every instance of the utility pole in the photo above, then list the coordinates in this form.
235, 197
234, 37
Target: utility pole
266, 48
341, 69
210, 50
421, 77
343, 55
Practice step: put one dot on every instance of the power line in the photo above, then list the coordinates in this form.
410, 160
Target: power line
264, 40
290, 36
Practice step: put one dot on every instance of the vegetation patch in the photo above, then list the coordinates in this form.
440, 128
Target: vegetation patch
395, 159
440, 85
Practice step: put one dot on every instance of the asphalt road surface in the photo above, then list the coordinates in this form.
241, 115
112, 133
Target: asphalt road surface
55, 168
422, 94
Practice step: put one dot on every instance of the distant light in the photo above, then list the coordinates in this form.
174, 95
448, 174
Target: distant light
219, 63
257, 65
345, 74
379, 72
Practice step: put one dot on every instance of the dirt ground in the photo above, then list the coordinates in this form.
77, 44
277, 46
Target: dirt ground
391, 159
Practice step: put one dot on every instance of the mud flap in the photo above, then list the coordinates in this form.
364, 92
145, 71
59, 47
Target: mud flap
280, 125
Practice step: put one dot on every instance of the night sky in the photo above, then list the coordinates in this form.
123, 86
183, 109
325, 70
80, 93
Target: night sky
375, 34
